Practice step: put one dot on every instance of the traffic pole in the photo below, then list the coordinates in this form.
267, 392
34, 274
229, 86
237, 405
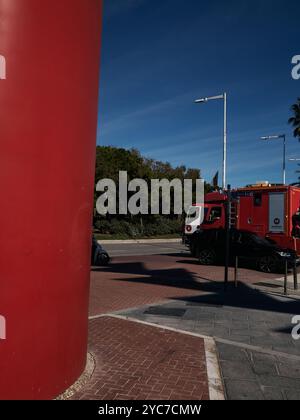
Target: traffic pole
286, 277
236, 272
295, 276
227, 243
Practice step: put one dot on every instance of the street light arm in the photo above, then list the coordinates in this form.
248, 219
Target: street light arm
273, 137
211, 98
224, 98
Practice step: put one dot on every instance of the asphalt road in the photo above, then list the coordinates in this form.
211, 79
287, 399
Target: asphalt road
123, 250
166, 248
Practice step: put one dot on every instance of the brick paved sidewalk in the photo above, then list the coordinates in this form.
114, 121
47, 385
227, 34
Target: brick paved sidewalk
139, 362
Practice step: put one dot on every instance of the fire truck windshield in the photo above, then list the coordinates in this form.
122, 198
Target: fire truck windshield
193, 214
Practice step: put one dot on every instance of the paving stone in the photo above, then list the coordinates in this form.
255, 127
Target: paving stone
231, 353
265, 342
261, 325
204, 324
292, 394
288, 348
240, 339
220, 316
212, 310
239, 324
240, 332
209, 332
241, 316
272, 394
290, 370
279, 382
258, 333
164, 311
222, 325
264, 368
260, 317
237, 370
229, 309
199, 316
262, 357
244, 390
287, 358
222, 332
235, 325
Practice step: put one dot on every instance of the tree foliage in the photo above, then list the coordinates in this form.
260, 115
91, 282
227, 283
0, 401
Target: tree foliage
110, 161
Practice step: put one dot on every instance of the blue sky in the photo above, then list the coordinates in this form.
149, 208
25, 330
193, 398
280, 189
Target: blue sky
160, 55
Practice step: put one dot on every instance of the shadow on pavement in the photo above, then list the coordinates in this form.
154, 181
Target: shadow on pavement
211, 292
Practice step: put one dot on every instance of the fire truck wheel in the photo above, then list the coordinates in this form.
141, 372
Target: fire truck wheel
207, 257
268, 264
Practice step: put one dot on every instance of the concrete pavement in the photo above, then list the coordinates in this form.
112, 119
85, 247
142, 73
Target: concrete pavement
258, 357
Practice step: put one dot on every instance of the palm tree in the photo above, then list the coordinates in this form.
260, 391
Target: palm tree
295, 120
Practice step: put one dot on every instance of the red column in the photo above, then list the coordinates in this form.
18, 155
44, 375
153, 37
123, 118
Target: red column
49, 71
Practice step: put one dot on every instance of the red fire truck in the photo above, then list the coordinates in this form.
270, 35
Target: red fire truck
270, 211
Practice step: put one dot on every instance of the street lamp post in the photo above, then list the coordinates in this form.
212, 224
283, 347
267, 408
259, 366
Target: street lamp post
282, 136
213, 98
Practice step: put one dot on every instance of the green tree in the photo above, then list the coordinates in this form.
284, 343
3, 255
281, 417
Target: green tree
111, 160
295, 120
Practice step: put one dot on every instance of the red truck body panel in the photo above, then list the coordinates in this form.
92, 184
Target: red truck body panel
264, 210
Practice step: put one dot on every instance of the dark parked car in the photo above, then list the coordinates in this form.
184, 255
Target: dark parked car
209, 247
99, 256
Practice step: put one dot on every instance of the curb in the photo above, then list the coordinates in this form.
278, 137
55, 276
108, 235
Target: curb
290, 279
215, 383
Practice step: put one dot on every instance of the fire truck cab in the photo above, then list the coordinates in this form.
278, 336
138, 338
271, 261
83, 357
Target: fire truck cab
270, 211
209, 216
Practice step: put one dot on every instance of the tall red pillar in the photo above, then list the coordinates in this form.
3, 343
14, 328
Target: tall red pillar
49, 72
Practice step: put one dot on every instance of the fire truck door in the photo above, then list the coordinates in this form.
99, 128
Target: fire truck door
245, 220
277, 213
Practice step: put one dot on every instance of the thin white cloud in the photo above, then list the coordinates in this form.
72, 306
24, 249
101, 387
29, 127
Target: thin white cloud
130, 119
